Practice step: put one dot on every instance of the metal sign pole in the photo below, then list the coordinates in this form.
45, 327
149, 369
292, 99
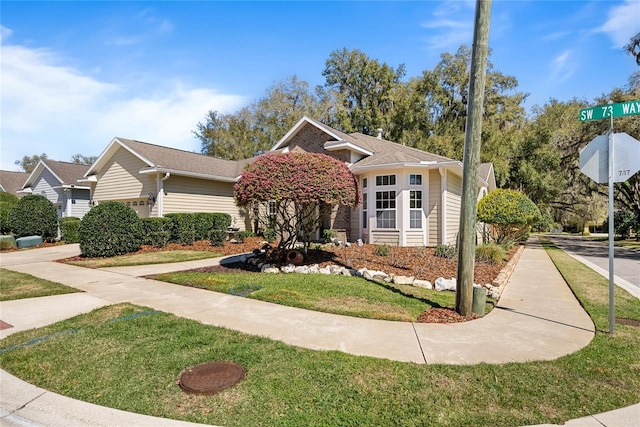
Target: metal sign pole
611, 230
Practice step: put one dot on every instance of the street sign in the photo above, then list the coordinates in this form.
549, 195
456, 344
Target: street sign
594, 158
600, 112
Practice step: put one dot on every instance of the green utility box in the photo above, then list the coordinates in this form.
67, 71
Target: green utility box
29, 241
479, 300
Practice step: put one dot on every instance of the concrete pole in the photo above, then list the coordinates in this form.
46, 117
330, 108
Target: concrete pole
471, 160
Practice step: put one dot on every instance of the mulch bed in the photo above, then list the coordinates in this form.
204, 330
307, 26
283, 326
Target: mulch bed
420, 263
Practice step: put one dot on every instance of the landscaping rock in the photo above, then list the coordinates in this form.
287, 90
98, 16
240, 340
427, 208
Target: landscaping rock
303, 269
443, 284
403, 280
289, 268
271, 270
423, 284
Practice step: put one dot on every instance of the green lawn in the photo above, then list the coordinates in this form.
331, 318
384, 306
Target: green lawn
14, 285
130, 357
160, 257
351, 296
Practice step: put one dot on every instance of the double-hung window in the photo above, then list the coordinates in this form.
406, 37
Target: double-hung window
415, 209
364, 210
386, 209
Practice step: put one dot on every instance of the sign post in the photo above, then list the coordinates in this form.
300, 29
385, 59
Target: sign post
599, 162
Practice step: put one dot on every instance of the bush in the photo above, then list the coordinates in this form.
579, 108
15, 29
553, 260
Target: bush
218, 237
490, 253
510, 213
109, 229
69, 229
329, 235
155, 231
383, 250
269, 235
241, 236
183, 228
7, 200
446, 251
623, 223
33, 215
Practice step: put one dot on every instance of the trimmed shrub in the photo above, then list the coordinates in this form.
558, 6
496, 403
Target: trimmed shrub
218, 237
510, 213
624, 221
241, 236
206, 222
490, 253
269, 235
7, 242
69, 229
446, 251
7, 200
182, 228
109, 229
155, 231
33, 215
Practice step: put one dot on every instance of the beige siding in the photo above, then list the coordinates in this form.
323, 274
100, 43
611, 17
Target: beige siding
454, 201
121, 179
415, 238
386, 238
433, 211
184, 194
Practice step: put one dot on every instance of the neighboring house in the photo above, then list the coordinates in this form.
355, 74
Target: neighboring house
410, 197
155, 180
58, 182
12, 182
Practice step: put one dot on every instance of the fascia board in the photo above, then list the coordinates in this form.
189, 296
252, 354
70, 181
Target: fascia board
188, 174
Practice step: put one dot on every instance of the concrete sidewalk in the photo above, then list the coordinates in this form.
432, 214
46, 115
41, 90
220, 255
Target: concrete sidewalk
537, 318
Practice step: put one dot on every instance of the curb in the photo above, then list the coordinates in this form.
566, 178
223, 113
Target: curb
503, 277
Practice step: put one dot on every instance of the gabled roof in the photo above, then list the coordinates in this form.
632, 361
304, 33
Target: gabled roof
11, 182
172, 160
67, 174
487, 175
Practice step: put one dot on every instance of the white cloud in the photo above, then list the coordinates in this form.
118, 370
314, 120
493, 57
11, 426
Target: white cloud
562, 67
623, 22
452, 25
52, 108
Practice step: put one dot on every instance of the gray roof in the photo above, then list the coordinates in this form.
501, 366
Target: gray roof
177, 161
68, 173
11, 182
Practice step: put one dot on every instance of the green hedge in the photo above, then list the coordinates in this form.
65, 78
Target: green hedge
109, 229
33, 215
156, 231
7, 200
189, 227
69, 227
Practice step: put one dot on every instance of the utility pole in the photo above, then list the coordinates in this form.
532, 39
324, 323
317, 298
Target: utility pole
471, 159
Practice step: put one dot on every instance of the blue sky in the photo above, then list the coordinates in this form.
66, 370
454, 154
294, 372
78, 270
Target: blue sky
74, 75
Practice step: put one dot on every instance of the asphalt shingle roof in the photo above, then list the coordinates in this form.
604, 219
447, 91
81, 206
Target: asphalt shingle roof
11, 181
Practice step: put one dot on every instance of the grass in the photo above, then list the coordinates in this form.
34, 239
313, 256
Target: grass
14, 285
351, 296
628, 243
130, 357
160, 257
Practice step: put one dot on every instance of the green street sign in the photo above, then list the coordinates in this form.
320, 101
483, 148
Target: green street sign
600, 112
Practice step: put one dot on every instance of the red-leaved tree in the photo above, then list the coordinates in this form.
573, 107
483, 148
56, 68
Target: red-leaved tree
292, 193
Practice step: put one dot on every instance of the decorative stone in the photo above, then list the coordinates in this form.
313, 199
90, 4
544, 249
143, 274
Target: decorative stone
271, 270
335, 269
289, 268
425, 284
348, 272
303, 269
443, 284
403, 280
324, 270
314, 269
360, 243
263, 266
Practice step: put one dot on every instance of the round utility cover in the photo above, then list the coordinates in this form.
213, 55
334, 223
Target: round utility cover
211, 378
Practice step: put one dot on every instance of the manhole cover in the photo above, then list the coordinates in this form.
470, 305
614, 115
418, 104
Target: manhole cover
211, 378
628, 322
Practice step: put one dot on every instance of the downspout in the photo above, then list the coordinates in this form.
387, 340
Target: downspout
160, 194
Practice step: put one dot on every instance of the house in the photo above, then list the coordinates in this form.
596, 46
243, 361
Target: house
12, 182
156, 180
58, 182
410, 197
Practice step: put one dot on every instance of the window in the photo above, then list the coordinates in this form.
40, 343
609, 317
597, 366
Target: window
386, 209
386, 180
272, 209
364, 210
415, 209
415, 179
365, 181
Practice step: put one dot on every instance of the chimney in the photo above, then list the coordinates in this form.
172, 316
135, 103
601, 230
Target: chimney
379, 133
